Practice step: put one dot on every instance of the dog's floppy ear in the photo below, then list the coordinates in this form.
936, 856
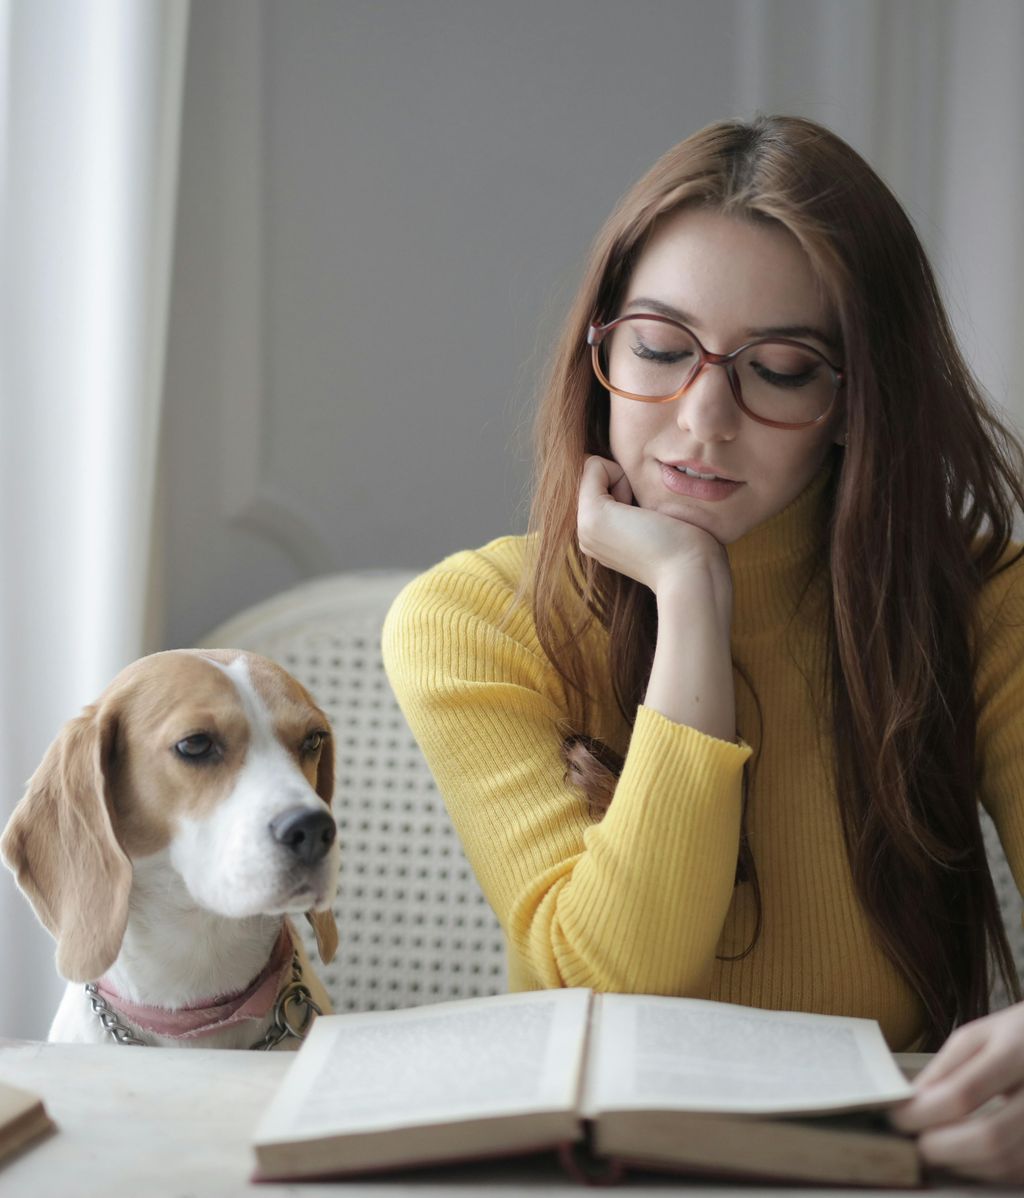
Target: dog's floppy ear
325, 768
61, 844
322, 922
326, 931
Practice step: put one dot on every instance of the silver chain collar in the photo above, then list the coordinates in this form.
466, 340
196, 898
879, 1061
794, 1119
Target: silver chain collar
296, 995
111, 1021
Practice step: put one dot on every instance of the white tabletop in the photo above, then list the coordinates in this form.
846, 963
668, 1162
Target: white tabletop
176, 1123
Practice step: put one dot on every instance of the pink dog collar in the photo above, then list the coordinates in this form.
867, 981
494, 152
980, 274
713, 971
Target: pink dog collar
204, 1018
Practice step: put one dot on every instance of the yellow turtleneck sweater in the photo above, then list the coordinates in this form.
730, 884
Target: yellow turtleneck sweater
644, 901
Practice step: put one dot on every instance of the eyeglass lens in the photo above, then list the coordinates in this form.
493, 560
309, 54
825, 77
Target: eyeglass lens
780, 382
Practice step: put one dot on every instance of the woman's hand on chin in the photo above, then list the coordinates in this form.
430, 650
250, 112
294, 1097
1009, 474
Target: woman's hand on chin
688, 571
969, 1105
656, 550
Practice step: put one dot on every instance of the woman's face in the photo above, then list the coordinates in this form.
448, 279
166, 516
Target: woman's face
729, 280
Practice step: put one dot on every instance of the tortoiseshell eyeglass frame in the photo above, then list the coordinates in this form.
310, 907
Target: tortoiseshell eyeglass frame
597, 332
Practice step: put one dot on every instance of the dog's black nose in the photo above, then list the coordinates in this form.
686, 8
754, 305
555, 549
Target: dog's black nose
307, 834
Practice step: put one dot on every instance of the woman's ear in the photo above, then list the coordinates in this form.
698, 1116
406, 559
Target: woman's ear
62, 846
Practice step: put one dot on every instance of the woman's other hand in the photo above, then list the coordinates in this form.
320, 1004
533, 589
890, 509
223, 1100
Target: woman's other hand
969, 1105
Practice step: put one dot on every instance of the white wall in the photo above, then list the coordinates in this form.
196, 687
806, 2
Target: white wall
384, 209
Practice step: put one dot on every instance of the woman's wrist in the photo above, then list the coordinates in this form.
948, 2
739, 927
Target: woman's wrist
696, 591
691, 676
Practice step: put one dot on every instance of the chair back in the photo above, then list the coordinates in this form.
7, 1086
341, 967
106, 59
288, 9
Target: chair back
414, 927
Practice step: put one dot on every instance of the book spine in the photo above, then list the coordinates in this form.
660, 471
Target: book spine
583, 1165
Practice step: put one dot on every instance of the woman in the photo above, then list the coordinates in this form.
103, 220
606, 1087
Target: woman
719, 726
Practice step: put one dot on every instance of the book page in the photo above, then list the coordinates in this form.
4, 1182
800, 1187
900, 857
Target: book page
690, 1055
458, 1060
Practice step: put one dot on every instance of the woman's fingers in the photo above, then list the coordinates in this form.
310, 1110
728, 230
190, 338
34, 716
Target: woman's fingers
960, 1047
603, 477
969, 1102
596, 496
978, 1061
931, 1094
989, 1146
621, 491
959, 1093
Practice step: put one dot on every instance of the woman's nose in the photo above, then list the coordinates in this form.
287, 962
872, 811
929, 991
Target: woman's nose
707, 408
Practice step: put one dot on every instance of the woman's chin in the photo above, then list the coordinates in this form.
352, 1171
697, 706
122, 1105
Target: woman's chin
695, 514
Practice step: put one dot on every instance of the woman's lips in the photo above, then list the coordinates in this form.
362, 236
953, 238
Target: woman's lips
696, 488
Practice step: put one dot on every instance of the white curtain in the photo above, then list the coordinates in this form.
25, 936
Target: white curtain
90, 113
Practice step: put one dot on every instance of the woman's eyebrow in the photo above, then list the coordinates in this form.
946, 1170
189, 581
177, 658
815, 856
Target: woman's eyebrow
647, 304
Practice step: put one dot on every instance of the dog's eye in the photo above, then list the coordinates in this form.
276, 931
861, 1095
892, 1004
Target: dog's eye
313, 742
196, 747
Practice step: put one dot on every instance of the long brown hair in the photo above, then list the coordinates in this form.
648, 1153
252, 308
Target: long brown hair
908, 549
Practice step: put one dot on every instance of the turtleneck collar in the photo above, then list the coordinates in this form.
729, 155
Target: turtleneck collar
772, 564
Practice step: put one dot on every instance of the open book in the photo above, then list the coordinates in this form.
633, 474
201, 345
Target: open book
608, 1080
22, 1119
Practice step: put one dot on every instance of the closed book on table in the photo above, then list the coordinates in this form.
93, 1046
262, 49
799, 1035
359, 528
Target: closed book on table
23, 1118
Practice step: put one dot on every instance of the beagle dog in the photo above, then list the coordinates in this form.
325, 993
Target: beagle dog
168, 834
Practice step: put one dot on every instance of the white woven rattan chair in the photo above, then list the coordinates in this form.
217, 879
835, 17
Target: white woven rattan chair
414, 925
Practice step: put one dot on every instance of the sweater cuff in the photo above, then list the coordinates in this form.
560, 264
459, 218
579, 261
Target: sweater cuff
667, 761
675, 746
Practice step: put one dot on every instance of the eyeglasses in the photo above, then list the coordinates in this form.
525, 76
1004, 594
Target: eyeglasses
775, 381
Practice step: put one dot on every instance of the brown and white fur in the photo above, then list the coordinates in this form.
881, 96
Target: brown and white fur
160, 863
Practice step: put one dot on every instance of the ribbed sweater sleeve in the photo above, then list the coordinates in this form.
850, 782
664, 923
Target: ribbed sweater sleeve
635, 902
1000, 700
